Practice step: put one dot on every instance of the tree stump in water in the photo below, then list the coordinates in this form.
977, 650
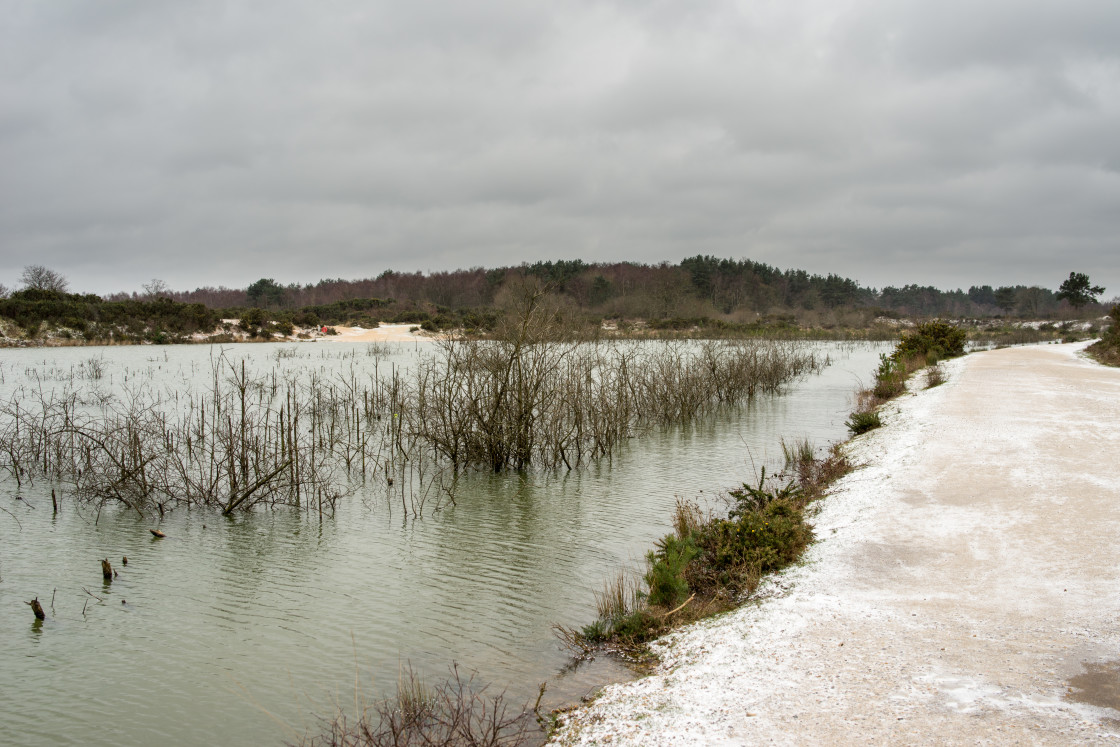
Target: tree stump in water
106, 570
37, 609
124, 560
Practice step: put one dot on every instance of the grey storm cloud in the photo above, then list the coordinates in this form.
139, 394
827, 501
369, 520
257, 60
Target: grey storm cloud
892, 141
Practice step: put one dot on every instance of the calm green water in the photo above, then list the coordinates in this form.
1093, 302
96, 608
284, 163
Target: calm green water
235, 631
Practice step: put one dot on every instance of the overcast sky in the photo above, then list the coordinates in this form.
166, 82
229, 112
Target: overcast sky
893, 141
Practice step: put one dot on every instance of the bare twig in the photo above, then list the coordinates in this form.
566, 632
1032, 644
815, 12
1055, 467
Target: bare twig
14, 518
681, 607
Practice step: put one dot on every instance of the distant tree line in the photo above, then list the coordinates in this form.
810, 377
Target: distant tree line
697, 287
701, 291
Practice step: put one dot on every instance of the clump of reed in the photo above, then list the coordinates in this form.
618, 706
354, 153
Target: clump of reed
799, 457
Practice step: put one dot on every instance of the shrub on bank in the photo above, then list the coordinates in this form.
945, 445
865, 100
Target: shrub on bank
709, 563
924, 347
937, 337
862, 422
734, 553
1107, 349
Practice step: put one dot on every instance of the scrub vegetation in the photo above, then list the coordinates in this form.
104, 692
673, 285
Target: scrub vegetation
925, 347
714, 559
1107, 349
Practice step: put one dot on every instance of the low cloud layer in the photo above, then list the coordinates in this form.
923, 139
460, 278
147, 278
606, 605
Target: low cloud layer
892, 141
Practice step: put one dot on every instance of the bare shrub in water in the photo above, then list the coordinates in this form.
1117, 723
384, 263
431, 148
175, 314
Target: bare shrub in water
535, 396
240, 445
531, 396
454, 712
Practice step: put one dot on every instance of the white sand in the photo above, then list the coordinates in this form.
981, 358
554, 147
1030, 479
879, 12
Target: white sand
963, 576
383, 333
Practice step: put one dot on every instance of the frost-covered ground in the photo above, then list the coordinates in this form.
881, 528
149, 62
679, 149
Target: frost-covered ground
966, 588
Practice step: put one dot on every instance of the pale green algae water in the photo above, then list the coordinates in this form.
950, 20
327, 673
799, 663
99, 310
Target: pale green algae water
234, 631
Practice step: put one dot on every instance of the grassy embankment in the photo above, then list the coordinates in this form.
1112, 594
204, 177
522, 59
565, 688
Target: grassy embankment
711, 563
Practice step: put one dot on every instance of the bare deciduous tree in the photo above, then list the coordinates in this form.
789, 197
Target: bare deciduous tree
156, 288
38, 277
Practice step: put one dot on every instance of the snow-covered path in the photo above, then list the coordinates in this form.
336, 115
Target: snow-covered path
966, 588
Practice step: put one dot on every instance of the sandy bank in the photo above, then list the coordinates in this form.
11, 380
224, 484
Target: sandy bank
383, 333
966, 587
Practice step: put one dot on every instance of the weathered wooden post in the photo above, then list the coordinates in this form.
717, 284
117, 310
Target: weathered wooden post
37, 609
106, 570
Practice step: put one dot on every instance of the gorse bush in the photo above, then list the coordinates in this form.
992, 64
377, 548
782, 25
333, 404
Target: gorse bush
733, 553
937, 337
708, 564
862, 422
925, 346
756, 498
